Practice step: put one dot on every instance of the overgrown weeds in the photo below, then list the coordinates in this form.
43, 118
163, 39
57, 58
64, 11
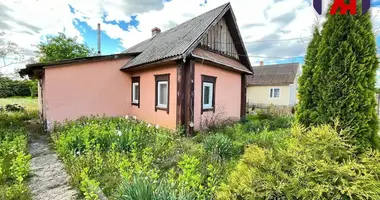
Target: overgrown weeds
130, 159
14, 158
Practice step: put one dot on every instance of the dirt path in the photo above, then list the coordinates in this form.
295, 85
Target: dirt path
49, 180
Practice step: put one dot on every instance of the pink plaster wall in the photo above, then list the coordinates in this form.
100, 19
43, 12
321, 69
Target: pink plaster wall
43, 98
227, 93
147, 112
93, 88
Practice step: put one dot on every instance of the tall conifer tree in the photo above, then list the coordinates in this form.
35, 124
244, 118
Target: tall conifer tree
307, 105
345, 77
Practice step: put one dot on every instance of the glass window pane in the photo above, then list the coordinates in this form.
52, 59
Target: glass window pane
206, 94
137, 92
163, 93
276, 93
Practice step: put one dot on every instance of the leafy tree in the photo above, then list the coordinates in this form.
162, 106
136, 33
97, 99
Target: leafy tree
345, 77
21, 88
307, 104
377, 90
62, 47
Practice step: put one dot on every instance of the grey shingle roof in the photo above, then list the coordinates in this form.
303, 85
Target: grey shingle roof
280, 74
174, 42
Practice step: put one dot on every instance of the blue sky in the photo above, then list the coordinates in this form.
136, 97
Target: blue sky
108, 45
275, 31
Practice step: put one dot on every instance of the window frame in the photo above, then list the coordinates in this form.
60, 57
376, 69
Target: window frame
272, 96
162, 78
134, 81
208, 80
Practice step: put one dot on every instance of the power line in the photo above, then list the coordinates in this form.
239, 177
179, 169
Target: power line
279, 40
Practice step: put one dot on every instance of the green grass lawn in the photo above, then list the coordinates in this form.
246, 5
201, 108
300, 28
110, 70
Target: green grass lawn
28, 102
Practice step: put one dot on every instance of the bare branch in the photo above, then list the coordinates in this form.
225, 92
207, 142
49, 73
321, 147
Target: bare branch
10, 54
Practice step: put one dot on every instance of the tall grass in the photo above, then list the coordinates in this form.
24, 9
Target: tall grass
129, 159
14, 158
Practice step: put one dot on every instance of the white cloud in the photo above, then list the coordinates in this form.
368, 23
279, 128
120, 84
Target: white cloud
26, 21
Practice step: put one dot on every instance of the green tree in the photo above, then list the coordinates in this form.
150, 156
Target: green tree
307, 104
62, 47
345, 77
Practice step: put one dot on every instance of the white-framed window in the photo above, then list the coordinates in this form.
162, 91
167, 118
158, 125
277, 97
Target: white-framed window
274, 93
207, 95
135, 92
162, 93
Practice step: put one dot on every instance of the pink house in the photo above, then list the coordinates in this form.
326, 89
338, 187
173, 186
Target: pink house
184, 76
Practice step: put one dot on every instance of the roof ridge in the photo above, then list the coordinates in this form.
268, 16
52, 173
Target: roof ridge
198, 16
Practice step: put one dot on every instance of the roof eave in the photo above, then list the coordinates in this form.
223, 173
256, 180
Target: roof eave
270, 84
148, 64
245, 56
229, 67
30, 68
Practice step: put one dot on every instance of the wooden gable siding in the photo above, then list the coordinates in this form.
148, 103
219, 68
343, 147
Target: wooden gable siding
219, 38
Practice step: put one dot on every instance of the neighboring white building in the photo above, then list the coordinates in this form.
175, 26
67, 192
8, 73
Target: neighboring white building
273, 84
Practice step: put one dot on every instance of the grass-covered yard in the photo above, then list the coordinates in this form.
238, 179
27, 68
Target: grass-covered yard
28, 102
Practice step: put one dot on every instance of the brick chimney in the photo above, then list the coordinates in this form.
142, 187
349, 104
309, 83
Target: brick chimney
155, 31
261, 63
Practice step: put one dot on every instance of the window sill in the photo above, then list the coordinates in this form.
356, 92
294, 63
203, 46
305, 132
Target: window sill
207, 109
161, 108
135, 104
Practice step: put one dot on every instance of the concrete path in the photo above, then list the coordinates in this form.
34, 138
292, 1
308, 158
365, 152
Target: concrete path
49, 180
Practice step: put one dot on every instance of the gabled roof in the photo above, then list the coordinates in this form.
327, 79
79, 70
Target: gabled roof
178, 42
280, 74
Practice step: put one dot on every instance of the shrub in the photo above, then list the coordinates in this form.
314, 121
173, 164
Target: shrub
261, 114
315, 164
22, 88
13, 108
141, 188
14, 158
270, 139
220, 147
